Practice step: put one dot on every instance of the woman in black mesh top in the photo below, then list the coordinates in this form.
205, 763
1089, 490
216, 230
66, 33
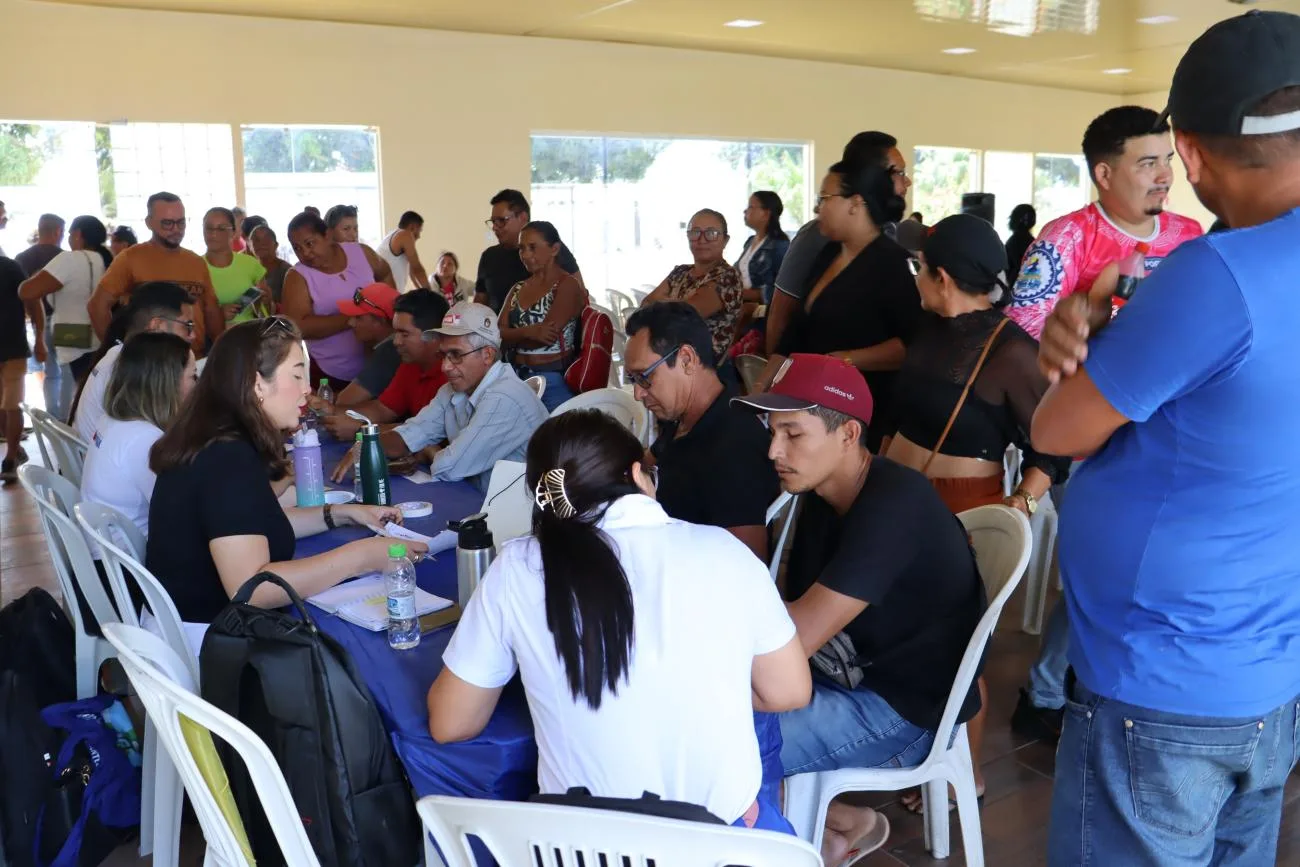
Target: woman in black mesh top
957, 438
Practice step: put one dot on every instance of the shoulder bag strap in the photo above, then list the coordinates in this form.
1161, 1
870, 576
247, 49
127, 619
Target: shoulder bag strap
961, 401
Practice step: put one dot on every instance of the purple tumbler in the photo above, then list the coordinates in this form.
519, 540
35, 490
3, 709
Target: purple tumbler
308, 470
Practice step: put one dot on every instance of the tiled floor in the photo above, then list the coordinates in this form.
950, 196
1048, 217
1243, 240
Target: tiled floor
1018, 774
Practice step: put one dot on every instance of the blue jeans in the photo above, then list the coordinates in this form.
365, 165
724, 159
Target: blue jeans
1047, 674
769, 819
849, 728
1144, 788
557, 390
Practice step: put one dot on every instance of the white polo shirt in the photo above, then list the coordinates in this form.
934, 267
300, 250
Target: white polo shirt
682, 724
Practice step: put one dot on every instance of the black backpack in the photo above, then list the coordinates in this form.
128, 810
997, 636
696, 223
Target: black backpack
300, 692
37, 669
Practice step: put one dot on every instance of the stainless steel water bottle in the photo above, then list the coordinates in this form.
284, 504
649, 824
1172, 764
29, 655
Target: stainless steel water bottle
474, 553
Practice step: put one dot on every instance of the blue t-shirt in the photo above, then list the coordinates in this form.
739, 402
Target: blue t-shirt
1179, 541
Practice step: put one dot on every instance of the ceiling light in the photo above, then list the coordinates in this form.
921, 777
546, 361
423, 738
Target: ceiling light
1158, 19
959, 51
1118, 70
743, 22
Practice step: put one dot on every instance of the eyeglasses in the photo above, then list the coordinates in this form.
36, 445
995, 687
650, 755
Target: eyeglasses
187, 324
359, 298
823, 198
708, 234
914, 265
895, 170
170, 225
498, 222
642, 379
456, 357
280, 323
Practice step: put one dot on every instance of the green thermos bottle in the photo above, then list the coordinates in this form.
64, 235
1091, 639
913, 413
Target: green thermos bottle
375, 490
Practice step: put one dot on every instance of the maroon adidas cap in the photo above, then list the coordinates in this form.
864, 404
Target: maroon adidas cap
805, 381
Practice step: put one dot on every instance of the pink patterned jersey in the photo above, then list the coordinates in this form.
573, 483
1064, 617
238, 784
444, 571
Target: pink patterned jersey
1072, 251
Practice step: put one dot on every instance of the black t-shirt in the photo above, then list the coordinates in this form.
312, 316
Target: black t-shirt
224, 491
718, 474
13, 316
499, 269
380, 367
874, 299
36, 257
901, 551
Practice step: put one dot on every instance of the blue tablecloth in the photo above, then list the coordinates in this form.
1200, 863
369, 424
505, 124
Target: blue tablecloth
501, 762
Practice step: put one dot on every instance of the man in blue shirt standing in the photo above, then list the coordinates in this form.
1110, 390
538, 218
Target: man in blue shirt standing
1182, 571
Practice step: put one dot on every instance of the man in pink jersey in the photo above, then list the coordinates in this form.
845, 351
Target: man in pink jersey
1130, 157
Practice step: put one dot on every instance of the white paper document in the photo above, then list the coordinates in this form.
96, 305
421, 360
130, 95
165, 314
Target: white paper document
364, 602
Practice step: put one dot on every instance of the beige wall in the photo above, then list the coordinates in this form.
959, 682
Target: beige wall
1182, 198
455, 110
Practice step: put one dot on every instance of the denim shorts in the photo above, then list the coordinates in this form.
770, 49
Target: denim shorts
849, 728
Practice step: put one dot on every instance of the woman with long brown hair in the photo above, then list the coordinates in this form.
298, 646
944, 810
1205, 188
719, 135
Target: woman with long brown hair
215, 521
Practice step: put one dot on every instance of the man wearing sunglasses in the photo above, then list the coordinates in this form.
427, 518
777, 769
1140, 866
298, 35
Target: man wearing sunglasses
485, 413
161, 258
711, 456
370, 313
499, 268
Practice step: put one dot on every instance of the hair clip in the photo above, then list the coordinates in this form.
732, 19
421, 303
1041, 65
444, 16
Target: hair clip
550, 492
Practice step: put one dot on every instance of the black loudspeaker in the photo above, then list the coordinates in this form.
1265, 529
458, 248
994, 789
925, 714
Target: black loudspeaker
979, 204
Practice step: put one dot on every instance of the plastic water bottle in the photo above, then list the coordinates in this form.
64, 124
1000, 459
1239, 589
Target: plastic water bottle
308, 470
326, 394
399, 580
358, 495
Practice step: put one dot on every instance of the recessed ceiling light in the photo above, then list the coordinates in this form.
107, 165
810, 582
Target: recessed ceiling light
1118, 70
959, 51
743, 22
1158, 19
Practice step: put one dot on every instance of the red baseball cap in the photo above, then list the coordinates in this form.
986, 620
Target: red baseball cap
805, 381
377, 299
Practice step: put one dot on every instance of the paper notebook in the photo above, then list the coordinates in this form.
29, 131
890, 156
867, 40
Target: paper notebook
363, 601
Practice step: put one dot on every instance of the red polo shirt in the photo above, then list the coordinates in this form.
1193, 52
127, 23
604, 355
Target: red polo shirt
412, 388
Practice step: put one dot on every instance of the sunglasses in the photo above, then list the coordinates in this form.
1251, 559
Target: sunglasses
708, 234
279, 323
642, 378
360, 299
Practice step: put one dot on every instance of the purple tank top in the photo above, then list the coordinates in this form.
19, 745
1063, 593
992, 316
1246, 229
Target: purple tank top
340, 355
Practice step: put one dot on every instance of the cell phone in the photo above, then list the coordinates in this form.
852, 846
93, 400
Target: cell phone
249, 298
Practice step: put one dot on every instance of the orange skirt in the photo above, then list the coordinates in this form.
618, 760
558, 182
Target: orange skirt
962, 494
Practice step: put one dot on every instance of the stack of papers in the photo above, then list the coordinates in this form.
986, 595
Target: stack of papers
444, 541
363, 601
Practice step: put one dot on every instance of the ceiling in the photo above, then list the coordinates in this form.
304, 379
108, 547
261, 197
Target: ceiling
1058, 43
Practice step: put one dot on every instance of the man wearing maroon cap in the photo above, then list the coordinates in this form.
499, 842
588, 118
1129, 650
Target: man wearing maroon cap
418, 377
881, 584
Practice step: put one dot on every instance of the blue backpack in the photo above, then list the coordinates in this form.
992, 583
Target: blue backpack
95, 801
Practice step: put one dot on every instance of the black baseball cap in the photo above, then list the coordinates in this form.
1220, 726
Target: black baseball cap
1230, 68
969, 249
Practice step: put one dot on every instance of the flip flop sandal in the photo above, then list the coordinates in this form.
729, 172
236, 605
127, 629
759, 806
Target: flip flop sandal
868, 842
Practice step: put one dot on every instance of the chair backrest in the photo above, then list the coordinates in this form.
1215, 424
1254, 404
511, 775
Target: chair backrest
537, 384
67, 446
623, 305
107, 527
615, 402
545, 835
780, 517
39, 431
618, 356
750, 368
508, 503
159, 678
1002, 541
74, 566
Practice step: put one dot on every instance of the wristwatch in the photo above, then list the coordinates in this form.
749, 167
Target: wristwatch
1031, 502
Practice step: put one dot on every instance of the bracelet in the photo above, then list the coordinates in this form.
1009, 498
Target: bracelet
328, 512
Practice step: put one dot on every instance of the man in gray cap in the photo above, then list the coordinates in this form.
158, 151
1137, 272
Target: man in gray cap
484, 414
1177, 545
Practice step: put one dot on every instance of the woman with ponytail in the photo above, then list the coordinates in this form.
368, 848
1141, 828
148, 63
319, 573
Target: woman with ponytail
69, 279
644, 643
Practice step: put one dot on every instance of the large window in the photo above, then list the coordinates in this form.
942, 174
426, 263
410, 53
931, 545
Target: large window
289, 167
1009, 176
622, 204
940, 177
1061, 185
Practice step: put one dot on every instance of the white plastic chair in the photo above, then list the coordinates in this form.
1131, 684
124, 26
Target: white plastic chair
66, 446
1042, 566
624, 305
159, 678
546, 835
55, 498
614, 402
39, 433
1002, 541
782, 510
617, 358
750, 367
508, 503
537, 384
